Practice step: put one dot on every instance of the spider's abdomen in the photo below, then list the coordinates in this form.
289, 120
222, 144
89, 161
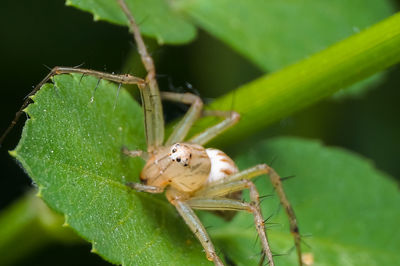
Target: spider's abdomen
221, 166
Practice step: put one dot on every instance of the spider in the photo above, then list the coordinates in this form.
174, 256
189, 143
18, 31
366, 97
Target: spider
192, 177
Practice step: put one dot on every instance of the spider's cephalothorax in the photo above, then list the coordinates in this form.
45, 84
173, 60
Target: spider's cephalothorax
183, 166
192, 177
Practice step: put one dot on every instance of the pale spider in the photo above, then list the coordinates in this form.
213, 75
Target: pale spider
192, 177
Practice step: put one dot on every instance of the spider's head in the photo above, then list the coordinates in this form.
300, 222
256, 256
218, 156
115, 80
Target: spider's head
181, 154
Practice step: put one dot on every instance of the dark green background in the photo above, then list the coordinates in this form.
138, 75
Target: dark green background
34, 33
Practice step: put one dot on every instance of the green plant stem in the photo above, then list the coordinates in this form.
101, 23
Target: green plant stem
277, 95
27, 225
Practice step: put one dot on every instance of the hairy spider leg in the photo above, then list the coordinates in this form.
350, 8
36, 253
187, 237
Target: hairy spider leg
151, 100
125, 79
211, 198
278, 187
196, 226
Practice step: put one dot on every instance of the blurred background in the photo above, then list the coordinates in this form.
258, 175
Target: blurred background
48, 33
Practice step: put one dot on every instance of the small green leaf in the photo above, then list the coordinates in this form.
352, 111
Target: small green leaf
156, 18
70, 147
346, 209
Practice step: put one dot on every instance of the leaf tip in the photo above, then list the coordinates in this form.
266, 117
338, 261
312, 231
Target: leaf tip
160, 40
13, 153
25, 110
68, 3
96, 17
94, 250
65, 224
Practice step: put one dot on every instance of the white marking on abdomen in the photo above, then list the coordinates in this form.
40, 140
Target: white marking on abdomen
221, 166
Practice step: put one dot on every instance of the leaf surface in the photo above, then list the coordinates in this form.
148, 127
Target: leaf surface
70, 147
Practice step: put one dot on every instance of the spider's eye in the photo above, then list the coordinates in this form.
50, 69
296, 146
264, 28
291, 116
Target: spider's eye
185, 164
178, 159
173, 150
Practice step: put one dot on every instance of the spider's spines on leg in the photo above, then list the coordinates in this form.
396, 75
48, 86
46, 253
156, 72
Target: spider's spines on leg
95, 89
287, 177
116, 97
27, 101
294, 229
211, 198
275, 179
126, 79
80, 80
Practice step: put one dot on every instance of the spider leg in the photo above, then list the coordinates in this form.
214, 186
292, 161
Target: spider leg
235, 205
209, 198
195, 112
182, 128
151, 101
231, 118
195, 225
277, 183
125, 79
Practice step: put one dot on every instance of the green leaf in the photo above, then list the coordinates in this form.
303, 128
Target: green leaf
70, 147
347, 210
156, 18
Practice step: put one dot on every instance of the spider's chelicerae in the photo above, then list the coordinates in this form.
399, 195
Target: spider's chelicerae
192, 177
